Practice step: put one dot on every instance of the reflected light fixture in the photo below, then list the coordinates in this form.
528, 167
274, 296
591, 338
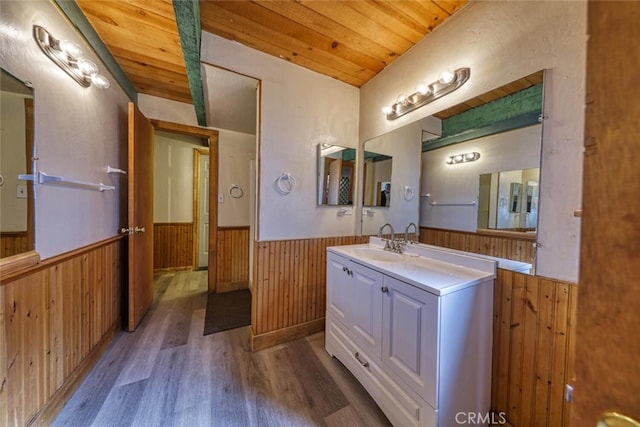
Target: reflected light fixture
426, 93
463, 158
68, 56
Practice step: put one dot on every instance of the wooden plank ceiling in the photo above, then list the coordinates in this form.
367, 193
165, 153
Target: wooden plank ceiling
350, 40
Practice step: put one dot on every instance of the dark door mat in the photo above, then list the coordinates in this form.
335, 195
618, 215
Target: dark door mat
227, 310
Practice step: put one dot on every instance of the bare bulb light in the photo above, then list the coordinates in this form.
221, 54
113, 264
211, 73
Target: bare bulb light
70, 48
446, 77
87, 67
387, 110
100, 81
423, 89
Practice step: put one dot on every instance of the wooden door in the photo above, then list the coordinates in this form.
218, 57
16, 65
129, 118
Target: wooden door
140, 216
607, 356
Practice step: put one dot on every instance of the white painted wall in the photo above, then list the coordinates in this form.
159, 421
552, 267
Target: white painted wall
236, 151
173, 177
13, 161
459, 183
78, 132
299, 109
502, 41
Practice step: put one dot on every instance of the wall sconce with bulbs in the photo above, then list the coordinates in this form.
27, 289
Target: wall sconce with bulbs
68, 56
426, 93
463, 158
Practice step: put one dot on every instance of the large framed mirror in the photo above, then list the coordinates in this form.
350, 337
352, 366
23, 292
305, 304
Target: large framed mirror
504, 127
16, 158
336, 174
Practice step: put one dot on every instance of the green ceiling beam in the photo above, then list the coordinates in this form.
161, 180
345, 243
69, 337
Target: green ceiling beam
188, 20
78, 20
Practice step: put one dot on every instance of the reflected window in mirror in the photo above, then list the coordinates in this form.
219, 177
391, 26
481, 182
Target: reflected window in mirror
377, 179
16, 152
336, 172
508, 200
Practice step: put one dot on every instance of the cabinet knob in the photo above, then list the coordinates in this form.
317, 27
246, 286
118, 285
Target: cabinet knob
384, 290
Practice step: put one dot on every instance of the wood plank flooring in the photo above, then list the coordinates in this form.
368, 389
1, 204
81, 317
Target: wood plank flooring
167, 373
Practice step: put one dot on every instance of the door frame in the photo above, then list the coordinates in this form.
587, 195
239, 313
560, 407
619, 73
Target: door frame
210, 137
196, 202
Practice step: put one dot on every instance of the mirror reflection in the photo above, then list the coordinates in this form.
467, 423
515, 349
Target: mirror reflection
335, 175
508, 200
377, 179
16, 146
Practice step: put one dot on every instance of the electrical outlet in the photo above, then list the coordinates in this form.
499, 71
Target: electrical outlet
220, 198
21, 191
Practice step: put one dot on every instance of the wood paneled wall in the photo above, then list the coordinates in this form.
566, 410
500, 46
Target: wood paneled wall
13, 244
173, 245
52, 318
289, 288
233, 254
533, 348
513, 248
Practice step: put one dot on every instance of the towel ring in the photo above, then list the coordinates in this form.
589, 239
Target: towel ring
285, 183
236, 191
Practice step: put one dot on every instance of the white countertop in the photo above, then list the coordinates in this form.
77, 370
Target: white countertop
438, 272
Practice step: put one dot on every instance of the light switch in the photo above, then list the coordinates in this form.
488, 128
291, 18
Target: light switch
220, 198
21, 191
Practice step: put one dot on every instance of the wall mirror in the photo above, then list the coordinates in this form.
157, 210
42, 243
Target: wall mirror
508, 200
377, 178
16, 152
336, 172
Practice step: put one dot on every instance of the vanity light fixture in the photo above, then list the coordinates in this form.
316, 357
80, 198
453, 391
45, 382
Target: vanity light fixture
68, 56
426, 93
463, 158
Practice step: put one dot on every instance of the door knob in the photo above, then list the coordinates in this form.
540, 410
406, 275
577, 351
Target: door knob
138, 230
126, 230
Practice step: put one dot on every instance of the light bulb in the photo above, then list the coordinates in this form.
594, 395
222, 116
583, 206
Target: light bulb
387, 110
450, 160
446, 77
401, 99
70, 48
470, 156
458, 158
100, 81
87, 67
422, 88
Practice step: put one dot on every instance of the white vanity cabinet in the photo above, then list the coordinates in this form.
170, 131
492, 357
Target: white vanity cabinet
422, 352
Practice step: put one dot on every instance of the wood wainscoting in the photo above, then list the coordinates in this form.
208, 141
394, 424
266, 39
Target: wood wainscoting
55, 321
13, 243
502, 245
288, 296
173, 245
233, 258
533, 348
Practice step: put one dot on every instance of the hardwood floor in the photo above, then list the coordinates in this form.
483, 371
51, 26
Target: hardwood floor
168, 373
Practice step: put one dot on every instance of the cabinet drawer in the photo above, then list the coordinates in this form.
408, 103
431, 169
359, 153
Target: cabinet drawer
400, 407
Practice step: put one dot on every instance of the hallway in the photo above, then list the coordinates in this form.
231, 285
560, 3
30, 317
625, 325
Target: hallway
168, 373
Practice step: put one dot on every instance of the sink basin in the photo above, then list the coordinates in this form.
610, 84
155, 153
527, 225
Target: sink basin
378, 255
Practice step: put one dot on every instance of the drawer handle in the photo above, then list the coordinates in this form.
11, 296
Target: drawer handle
363, 363
384, 290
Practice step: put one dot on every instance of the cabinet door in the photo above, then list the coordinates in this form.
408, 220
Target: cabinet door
410, 336
339, 288
367, 308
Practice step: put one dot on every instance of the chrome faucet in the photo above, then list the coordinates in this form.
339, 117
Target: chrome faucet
391, 244
406, 233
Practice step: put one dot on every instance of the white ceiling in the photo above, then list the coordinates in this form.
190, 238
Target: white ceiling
230, 99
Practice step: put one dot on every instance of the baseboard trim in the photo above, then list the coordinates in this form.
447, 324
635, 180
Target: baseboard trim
232, 286
273, 338
54, 405
171, 269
